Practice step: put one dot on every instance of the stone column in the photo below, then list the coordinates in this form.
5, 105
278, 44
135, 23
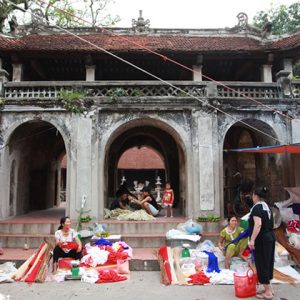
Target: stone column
90, 72
17, 72
206, 164
3, 78
80, 166
288, 66
197, 74
266, 73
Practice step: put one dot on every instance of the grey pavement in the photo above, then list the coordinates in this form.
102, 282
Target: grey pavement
142, 285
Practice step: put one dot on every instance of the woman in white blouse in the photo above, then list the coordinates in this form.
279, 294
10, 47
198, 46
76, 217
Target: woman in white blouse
67, 242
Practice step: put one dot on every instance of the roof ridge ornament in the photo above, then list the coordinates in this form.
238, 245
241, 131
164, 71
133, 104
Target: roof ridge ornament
140, 25
244, 26
243, 20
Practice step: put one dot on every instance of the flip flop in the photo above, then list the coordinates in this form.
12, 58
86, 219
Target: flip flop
264, 296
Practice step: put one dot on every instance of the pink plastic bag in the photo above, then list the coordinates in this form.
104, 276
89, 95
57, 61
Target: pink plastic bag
123, 266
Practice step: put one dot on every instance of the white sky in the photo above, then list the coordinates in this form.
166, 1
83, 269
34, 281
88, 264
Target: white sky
190, 13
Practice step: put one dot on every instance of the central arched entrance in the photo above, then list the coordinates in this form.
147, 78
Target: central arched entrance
160, 139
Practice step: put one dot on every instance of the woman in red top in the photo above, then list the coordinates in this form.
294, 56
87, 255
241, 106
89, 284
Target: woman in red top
168, 199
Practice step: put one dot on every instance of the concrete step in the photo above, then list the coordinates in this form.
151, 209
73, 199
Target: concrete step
135, 240
141, 234
144, 240
160, 225
32, 241
27, 228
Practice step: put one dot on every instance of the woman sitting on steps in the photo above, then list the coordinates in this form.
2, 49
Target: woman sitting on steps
67, 242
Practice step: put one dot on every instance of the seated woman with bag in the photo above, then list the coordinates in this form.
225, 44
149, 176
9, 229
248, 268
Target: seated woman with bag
227, 235
67, 242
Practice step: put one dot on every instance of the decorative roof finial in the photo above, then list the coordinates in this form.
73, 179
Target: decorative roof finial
140, 25
243, 20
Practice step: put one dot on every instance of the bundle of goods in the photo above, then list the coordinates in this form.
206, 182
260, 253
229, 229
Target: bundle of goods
290, 209
188, 232
177, 266
282, 239
35, 268
104, 252
100, 230
293, 226
69, 246
294, 240
109, 276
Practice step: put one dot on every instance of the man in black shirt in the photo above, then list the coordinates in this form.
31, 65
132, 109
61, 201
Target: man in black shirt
121, 202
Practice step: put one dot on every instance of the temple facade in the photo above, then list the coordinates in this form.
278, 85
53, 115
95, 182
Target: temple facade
90, 95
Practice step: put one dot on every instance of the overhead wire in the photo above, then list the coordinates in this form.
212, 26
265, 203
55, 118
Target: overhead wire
204, 102
165, 58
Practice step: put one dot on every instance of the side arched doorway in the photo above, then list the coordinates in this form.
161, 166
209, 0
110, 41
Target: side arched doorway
35, 150
244, 170
164, 143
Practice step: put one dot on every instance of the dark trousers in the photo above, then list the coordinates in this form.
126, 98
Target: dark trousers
59, 253
264, 261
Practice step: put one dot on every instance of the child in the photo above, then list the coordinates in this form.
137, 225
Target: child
168, 199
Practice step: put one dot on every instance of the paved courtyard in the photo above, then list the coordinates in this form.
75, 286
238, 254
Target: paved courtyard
141, 285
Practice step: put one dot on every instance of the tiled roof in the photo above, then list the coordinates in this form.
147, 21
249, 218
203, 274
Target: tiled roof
7, 43
133, 43
123, 43
288, 42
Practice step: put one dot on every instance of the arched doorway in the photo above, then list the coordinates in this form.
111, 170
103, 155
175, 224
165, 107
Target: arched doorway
167, 146
244, 170
35, 149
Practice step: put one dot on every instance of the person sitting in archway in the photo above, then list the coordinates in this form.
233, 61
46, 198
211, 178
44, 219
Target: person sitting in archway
149, 203
227, 235
121, 202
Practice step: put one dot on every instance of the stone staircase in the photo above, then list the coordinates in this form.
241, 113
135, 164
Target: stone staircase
145, 237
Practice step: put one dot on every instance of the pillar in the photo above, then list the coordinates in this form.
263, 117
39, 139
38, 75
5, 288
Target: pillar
17, 72
3, 78
80, 166
90, 72
206, 164
197, 73
266, 73
288, 66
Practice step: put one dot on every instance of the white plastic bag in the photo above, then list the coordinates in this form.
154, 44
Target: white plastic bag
206, 245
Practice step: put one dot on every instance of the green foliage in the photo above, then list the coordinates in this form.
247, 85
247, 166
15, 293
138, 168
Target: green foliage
284, 18
296, 71
2, 103
6, 9
209, 218
85, 218
136, 93
73, 101
59, 17
94, 11
117, 92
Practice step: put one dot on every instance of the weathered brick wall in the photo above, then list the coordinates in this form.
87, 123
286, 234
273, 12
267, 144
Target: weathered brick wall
143, 158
